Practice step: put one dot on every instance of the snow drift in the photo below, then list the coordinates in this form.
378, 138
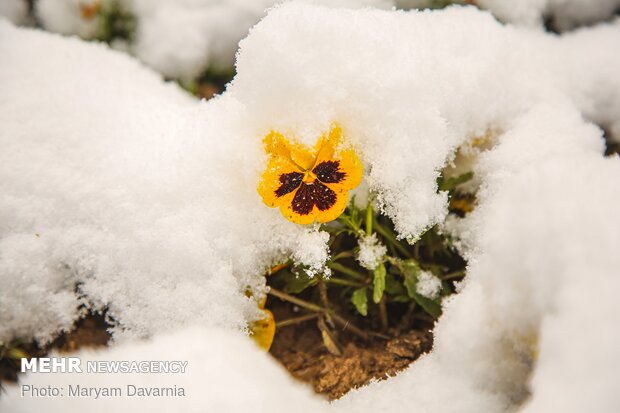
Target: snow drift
119, 192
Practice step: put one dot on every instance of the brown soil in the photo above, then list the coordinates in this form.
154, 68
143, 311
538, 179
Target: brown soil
300, 349
90, 331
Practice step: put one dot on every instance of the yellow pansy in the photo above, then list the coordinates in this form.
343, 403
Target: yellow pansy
309, 184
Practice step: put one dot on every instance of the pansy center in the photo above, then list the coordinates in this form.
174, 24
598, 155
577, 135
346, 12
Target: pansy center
309, 177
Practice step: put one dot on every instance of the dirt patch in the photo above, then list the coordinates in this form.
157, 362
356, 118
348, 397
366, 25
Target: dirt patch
300, 349
90, 331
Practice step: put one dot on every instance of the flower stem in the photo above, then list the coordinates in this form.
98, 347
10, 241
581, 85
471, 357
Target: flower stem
453, 275
346, 270
369, 215
342, 281
389, 236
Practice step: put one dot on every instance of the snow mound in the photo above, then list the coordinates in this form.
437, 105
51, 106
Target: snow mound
428, 285
564, 14
371, 252
15, 11
180, 39
219, 364
119, 192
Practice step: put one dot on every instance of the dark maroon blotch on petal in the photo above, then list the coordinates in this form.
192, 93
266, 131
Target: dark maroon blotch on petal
289, 182
313, 194
329, 172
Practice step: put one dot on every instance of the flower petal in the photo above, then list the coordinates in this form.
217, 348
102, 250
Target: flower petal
270, 182
278, 146
329, 151
351, 166
315, 202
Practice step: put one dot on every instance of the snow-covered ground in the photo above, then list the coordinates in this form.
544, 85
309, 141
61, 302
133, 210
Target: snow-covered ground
183, 39
119, 191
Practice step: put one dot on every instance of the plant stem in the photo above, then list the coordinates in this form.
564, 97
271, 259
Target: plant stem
325, 300
452, 275
343, 254
296, 320
302, 303
346, 270
342, 281
383, 315
389, 236
346, 324
278, 267
369, 215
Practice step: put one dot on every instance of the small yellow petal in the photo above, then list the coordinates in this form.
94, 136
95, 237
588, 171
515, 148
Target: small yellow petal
278, 146
327, 144
264, 330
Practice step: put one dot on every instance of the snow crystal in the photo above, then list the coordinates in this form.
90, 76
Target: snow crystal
371, 251
428, 285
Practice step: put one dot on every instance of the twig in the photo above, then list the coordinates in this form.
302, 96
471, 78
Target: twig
296, 320
302, 303
325, 300
383, 315
278, 267
347, 325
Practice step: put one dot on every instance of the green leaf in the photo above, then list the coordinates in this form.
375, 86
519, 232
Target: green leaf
433, 307
410, 270
378, 285
16, 353
402, 298
393, 286
360, 301
295, 283
448, 184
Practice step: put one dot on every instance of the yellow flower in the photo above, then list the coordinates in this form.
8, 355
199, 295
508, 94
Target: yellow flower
309, 185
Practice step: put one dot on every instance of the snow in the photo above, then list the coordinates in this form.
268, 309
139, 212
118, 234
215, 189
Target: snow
15, 11
148, 203
371, 252
428, 285
565, 14
180, 39
145, 211
219, 363
65, 16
